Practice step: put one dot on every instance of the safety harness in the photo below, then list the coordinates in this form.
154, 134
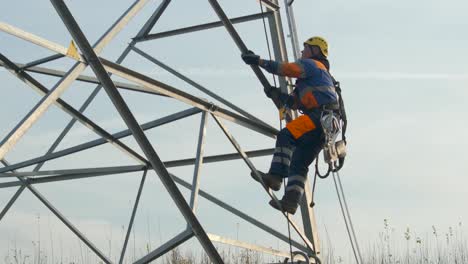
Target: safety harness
333, 121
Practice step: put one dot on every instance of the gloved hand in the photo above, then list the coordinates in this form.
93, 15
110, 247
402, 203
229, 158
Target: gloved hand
250, 58
272, 92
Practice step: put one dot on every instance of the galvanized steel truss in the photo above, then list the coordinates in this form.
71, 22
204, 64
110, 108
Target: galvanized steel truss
150, 161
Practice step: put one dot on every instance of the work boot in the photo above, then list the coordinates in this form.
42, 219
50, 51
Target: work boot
289, 202
272, 181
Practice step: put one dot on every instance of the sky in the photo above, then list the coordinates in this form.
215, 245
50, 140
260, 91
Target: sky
402, 66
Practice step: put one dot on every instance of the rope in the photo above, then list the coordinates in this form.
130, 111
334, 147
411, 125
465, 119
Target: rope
347, 217
280, 123
266, 38
289, 225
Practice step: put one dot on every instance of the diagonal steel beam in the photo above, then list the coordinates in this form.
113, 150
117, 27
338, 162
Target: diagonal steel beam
29, 80
83, 78
67, 177
133, 125
148, 25
200, 27
97, 142
41, 61
166, 247
12, 200
12, 30
154, 18
240, 44
64, 220
132, 218
221, 157
75, 174
198, 86
14, 197
198, 163
14, 136
259, 178
67, 172
168, 164
240, 214
184, 97
26, 184
250, 246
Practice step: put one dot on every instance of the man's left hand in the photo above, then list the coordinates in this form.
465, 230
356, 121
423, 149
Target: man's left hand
251, 58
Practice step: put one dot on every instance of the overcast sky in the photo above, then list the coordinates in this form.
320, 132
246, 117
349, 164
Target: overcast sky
402, 65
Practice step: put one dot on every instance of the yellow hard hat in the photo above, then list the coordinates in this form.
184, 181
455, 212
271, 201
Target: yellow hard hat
319, 42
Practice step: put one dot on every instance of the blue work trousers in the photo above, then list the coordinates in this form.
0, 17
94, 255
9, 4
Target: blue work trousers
297, 145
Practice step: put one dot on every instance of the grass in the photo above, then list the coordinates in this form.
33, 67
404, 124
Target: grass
392, 247
441, 247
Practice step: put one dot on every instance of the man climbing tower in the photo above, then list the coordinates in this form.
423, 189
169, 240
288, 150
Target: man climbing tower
299, 143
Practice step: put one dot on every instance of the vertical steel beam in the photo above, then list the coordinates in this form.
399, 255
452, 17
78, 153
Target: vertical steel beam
308, 216
309, 221
292, 29
132, 218
279, 45
40, 108
198, 163
133, 125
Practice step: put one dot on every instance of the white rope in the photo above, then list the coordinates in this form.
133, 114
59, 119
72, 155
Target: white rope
347, 217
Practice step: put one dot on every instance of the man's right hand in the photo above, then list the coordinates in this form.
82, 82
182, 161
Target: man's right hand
250, 58
272, 92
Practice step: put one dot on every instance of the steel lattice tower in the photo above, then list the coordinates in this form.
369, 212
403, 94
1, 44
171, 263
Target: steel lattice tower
88, 55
